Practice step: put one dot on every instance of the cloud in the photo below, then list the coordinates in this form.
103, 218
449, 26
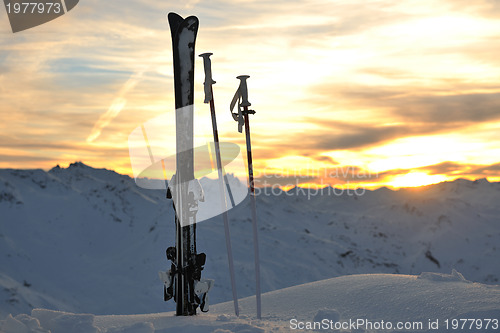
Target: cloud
485, 8
335, 135
464, 108
450, 169
446, 168
106, 118
325, 76
403, 113
6, 158
330, 135
410, 102
492, 170
322, 158
116, 106
32, 143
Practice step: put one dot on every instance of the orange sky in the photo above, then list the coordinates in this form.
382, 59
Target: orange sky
366, 93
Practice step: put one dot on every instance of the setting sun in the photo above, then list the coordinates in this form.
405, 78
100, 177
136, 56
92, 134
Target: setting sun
414, 179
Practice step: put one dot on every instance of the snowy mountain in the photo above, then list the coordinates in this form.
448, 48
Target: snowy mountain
89, 240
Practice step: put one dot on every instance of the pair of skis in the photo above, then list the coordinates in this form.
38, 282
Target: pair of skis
183, 281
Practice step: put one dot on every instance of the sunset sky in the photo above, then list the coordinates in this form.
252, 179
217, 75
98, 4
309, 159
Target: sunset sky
397, 93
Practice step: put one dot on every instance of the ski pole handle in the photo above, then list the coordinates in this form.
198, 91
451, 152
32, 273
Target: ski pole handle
207, 64
244, 90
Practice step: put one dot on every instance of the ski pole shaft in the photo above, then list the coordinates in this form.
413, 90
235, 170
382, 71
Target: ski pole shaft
242, 118
254, 214
228, 188
224, 207
209, 98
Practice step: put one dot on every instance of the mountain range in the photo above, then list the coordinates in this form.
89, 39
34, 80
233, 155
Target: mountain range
81, 239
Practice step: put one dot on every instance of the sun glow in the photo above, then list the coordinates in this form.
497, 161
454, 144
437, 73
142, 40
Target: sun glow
415, 179
415, 152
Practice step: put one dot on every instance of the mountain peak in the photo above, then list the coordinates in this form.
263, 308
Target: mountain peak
75, 165
78, 164
481, 181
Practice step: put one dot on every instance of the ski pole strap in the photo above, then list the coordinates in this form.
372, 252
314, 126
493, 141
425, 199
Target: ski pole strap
237, 116
207, 64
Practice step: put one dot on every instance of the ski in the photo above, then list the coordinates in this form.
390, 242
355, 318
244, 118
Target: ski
184, 189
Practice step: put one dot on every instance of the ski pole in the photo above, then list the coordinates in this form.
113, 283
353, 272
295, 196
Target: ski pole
242, 118
209, 99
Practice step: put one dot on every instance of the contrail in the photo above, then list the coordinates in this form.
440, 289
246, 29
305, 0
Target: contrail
114, 109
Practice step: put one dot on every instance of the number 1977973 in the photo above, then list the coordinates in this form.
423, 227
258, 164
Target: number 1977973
34, 8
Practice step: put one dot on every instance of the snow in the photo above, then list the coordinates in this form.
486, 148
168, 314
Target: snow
370, 298
80, 251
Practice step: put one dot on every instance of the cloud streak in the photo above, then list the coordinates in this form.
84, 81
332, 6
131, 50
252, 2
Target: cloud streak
116, 106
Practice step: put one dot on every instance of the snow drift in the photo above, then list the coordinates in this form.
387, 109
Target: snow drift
431, 302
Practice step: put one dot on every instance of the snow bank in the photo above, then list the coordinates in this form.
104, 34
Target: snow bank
48, 321
429, 297
427, 303
454, 276
62, 322
21, 324
140, 327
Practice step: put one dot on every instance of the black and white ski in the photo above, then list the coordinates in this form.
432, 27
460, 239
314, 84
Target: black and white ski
182, 282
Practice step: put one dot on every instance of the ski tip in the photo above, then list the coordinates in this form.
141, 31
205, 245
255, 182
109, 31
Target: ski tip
174, 20
206, 54
243, 77
174, 16
194, 18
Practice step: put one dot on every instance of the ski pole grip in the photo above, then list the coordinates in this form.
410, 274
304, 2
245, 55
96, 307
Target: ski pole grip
244, 90
207, 64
